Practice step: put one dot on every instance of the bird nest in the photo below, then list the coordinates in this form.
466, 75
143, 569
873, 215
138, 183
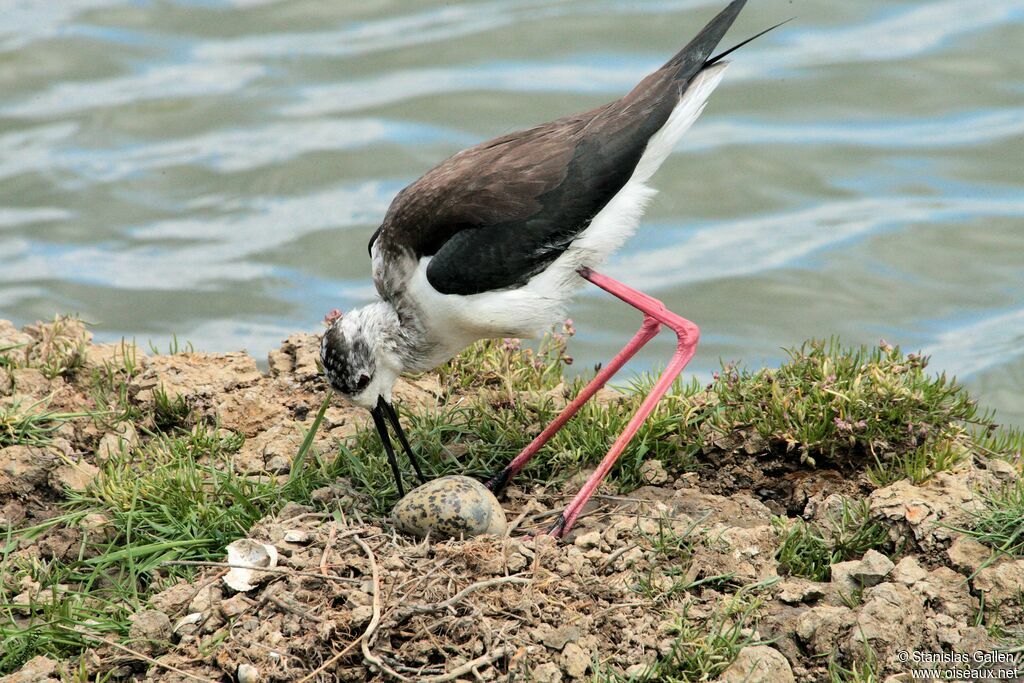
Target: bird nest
354, 601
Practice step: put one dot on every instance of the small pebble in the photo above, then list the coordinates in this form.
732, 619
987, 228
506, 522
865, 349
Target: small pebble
247, 673
297, 536
278, 464
188, 620
590, 539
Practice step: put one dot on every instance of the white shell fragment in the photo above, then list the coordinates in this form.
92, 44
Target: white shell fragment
297, 536
450, 507
188, 620
248, 555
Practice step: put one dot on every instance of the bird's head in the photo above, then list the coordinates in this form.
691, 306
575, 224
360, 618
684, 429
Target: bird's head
357, 352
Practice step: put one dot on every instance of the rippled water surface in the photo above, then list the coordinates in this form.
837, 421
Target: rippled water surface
214, 169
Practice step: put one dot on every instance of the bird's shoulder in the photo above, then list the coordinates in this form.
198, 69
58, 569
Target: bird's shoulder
497, 181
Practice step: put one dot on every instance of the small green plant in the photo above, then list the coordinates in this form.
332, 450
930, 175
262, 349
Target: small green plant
920, 464
58, 617
59, 348
170, 413
509, 365
672, 552
32, 424
174, 347
999, 524
803, 551
852, 532
702, 648
809, 550
7, 359
862, 670
109, 387
1001, 442
832, 402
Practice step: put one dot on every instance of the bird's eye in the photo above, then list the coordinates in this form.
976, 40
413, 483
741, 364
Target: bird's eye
363, 381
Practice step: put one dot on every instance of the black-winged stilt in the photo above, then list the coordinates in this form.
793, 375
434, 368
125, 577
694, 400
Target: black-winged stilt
495, 240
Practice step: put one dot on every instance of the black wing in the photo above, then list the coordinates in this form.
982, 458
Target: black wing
495, 215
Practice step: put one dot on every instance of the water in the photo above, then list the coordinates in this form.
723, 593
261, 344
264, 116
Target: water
214, 169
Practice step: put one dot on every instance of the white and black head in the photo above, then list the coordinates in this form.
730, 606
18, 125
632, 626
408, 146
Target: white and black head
359, 355
357, 352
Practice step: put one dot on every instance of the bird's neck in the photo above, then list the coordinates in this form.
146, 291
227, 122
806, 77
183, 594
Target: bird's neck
401, 334
412, 341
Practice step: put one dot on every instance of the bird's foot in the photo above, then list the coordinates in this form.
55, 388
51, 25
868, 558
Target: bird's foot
498, 482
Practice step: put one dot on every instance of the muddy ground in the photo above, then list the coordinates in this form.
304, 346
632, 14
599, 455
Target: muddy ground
681, 579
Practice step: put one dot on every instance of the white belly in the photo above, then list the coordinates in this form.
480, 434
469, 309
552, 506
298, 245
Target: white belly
455, 321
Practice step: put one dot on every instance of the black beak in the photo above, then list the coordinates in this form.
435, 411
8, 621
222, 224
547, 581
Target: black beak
379, 413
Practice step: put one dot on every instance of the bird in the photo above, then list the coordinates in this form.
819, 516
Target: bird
494, 241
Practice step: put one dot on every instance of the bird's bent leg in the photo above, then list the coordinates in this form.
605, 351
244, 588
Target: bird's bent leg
687, 334
646, 332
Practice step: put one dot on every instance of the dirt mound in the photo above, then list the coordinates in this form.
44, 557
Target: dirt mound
663, 581
731, 545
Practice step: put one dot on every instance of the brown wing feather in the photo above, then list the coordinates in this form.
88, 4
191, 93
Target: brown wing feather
496, 214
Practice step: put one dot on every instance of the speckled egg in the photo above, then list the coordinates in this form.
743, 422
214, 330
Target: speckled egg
450, 507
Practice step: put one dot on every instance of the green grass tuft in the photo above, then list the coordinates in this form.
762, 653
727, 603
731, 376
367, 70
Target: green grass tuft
57, 348
170, 412
832, 402
174, 347
809, 550
1000, 523
702, 648
919, 464
31, 425
864, 670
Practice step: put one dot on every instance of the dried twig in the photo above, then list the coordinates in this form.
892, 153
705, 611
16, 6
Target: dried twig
329, 663
455, 599
483, 660
517, 521
371, 627
269, 570
138, 655
306, 515
327, 548
619, 552
294, 609
364, 641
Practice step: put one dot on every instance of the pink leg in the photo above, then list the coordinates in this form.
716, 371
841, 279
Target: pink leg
646, 332
687, 333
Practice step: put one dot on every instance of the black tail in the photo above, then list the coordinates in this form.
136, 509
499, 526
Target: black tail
722, 55
694, 56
